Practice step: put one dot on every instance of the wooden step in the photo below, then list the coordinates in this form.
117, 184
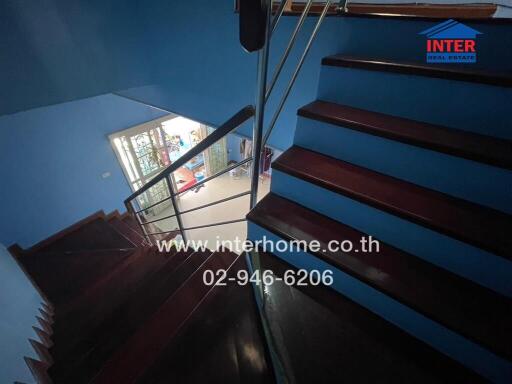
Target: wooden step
38, 370
45, 325
92, 350
472, 146
127, 231
421, 69
94, 235
16, 250
144, 348
460, 305
81, 317
129, 220
430, 11
64, 275
213, 345
44, 338
42, 352
323, 337
471, 223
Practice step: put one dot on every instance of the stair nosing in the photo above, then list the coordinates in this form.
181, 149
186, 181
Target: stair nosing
420, 69
408, 215
253, 216
386, 131
149, 323
141, 285
117, 220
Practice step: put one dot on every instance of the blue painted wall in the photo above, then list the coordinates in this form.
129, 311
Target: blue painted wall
233, 144
399, 39
183, 56
202, 72
20, 303
52, 161
205, 74
53, 51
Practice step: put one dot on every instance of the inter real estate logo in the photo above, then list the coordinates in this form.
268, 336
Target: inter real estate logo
451, 42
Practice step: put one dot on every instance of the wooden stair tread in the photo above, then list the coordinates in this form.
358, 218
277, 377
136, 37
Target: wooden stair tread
226, 320
40, 246
472, 146
474, 224
129, 220
100, 301
95, 235
144, 347
465, 307
95, 347
127, 231
63, 275
38, 370
421, 69
327, 338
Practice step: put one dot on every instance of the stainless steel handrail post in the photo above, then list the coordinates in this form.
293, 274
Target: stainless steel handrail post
131, 210
296, 72
260, 108
175, 207
277, 17
342, 6
288, 49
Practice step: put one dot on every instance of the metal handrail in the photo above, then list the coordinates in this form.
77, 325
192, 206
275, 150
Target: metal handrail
200, 226
200, 207
277, 17
288, 49
154, 205
259, 114
234, 122
220, 173
205, 180
259, 139
342, 6
296, 73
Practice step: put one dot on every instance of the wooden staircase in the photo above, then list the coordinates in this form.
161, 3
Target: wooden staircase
428, 176
419, 157
117, 307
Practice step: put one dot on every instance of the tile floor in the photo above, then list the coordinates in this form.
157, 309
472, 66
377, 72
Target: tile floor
216, 189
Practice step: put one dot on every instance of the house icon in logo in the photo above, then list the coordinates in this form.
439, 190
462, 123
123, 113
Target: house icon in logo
451, 42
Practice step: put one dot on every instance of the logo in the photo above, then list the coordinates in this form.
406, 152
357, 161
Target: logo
451, 42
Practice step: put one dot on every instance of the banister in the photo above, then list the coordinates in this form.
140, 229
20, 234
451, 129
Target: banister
296, 72
253, 24
288, 49
230, 125
256, 28
277, 17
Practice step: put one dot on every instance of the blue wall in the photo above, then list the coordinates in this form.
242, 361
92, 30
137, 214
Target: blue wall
203, 72
60, 50
185, 56
398, 38
20, 303
233, 145
182, 56
52, 161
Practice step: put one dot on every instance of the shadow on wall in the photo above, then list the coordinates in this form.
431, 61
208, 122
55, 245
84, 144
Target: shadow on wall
20, 303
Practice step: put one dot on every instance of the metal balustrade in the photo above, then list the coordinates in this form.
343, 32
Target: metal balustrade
258, 19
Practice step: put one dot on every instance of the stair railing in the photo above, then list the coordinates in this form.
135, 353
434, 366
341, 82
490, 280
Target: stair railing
133, 205
256, 28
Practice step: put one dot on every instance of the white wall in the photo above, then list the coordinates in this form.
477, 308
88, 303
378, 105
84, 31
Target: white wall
19, 305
